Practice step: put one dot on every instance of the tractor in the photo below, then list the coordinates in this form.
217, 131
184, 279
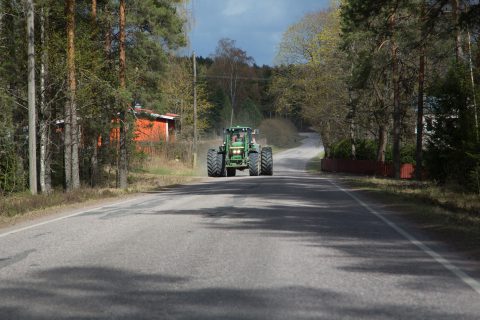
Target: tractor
239, 152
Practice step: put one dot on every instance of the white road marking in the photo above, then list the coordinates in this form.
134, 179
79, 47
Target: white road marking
471, 282
2, 235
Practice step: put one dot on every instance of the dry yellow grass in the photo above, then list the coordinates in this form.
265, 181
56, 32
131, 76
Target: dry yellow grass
153, 174
427, 192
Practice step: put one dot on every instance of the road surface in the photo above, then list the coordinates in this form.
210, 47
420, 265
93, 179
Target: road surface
290, 246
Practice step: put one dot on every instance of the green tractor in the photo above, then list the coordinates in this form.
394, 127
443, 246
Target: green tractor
239, 152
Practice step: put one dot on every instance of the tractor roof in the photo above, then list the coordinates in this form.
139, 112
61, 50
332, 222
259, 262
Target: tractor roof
239, 128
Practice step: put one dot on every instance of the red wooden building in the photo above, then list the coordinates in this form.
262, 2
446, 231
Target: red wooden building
154, 127
150, 127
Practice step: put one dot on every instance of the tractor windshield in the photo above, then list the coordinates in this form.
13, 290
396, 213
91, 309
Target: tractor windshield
241, 135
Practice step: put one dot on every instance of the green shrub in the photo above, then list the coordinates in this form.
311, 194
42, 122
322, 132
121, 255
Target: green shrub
342, 149
367, 150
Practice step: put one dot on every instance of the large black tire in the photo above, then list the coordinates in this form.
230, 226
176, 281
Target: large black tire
222, 171
254, 164
212, 167
267, 161
231, 172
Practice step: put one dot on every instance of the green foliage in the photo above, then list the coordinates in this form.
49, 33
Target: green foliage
12, 173
366, 149
311, 82
153, 28
453, 151
249, 114
342, 149
235, 82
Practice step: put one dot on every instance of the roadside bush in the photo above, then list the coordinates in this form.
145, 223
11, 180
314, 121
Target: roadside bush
407, 154
364, 149
12, 174
367, 150
453, 152
342, 149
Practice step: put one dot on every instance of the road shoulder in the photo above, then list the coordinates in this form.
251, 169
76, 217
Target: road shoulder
457, 241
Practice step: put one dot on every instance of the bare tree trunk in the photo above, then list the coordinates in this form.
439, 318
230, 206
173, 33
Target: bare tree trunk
194, 111
351, 118
382, 142
94, 163
2, 13
122, 163
108, 36
94, 142
420, 104
419, 147
472, 81
397, 112
233, 89
45, 157
32, 141
72, 173
233, 85
94, 11
458, 32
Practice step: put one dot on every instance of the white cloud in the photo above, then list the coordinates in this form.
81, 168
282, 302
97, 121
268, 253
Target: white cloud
256, 25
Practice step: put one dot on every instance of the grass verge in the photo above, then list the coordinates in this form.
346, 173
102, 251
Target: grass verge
452, 216
156, 174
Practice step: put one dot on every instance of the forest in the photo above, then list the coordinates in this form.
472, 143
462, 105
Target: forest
393, 81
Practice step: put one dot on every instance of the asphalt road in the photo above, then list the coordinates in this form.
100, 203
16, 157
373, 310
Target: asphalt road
290, 246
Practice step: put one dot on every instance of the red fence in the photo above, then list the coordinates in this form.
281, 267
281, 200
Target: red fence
367, 167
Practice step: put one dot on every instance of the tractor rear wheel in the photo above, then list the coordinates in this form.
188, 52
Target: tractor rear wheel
267, 161
231, 172
253, 165
222, 171
212, 167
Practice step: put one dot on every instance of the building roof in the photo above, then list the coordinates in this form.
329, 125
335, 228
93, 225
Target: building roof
149, 113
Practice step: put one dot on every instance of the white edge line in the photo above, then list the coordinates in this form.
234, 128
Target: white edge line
471, 282
2, 235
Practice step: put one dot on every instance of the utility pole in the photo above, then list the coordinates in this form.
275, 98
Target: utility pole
32, 141
122, 161
194, 110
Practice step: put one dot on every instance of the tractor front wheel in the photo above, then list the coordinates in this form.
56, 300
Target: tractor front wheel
267, 161
212, 167
254, 164
222, 171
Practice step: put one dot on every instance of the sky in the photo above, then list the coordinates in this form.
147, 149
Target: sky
256, 25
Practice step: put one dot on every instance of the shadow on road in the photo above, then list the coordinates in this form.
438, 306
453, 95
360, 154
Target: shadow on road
106, 293
303, 209
308, 209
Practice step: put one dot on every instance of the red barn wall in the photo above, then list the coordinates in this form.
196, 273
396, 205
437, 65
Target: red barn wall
150, 130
